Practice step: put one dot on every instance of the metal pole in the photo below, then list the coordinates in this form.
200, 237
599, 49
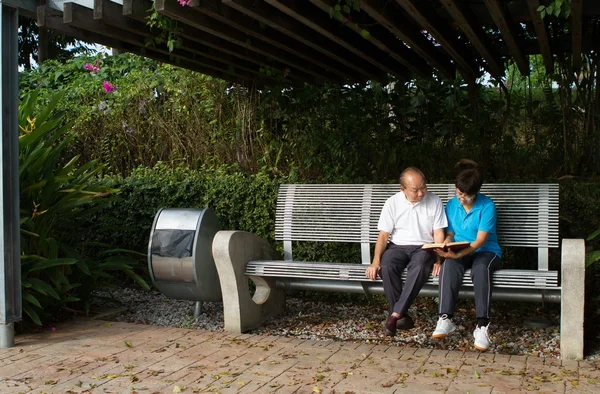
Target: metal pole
10, 248
197, 309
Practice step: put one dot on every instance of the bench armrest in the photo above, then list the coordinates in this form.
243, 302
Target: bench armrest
232, 250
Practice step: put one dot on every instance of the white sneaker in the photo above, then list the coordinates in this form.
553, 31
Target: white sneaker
482, 340
444, 327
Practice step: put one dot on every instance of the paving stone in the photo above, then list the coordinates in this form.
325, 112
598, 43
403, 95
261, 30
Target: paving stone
358, 383
482, 388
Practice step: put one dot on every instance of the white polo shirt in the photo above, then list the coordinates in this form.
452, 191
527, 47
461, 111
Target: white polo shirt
412, 224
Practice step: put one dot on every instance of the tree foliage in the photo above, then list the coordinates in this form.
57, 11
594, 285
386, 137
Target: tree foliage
537, 127
54, 46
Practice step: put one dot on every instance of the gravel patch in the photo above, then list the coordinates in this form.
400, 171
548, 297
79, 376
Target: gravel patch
323, 316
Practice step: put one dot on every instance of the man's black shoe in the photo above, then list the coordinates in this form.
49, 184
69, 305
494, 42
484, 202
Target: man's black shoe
390, 325
405, 323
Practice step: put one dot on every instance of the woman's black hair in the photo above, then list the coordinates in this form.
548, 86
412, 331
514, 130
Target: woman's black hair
469, 176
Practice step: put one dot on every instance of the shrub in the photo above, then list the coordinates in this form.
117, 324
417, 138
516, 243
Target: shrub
58, 272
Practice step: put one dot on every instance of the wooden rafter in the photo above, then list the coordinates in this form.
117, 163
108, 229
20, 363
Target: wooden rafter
342, 61
406, 30
218, 29
306, 13
475, 33
442, 34
542, 34
381, 38
508, 29
111, 14
135, 9
53, 20
577, 32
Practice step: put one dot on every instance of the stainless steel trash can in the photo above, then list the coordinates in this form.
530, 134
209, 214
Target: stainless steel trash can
180, 254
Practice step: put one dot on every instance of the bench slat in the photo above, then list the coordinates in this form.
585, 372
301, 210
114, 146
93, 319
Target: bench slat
527, 213
525, 279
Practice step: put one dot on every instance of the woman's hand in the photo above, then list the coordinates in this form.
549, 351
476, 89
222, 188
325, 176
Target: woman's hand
437, 267
447, 255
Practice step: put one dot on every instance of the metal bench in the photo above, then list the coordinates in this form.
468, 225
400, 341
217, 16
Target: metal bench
527, 217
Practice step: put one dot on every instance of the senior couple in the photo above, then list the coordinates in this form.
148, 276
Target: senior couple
414, 217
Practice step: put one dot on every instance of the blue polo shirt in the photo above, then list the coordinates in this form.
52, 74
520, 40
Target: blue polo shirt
482, 217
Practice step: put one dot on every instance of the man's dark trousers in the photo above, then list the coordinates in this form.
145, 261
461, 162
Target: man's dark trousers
418, 264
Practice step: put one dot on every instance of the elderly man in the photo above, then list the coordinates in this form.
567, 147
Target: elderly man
408, 220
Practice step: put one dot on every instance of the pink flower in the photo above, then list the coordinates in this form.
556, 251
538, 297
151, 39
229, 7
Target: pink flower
185, 2
108, 88
91, 68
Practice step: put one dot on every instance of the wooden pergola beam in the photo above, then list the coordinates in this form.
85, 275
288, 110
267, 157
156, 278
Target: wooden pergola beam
111, 14
442, 34
52, 19
218, 29
309, 15
475, 33
380, 38
406, 30
541, 33
346, 62
577, 32
509, 33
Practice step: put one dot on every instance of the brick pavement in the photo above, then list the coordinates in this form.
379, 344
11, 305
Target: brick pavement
91, 356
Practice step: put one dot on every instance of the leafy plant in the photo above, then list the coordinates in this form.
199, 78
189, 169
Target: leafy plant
56, 197
169, 32
594, 255
343, 9
556, 8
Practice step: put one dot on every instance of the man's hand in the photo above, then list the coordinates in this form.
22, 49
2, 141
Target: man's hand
372, 270
437, 267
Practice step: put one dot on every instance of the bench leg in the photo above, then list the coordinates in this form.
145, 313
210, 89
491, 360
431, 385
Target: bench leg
572, 299
232, 250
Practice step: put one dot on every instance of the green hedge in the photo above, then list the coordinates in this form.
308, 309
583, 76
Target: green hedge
241, 202
580, 209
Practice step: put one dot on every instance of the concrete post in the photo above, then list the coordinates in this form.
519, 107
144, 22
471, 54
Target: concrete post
572, 300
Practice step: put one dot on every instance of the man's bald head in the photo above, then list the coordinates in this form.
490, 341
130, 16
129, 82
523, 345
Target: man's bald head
413, 184
411, 172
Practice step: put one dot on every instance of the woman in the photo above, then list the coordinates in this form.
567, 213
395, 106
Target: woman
472, 218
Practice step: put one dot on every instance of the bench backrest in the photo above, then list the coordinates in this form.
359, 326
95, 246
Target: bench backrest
527, 214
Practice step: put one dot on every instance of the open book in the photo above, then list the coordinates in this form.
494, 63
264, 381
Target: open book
454, 246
